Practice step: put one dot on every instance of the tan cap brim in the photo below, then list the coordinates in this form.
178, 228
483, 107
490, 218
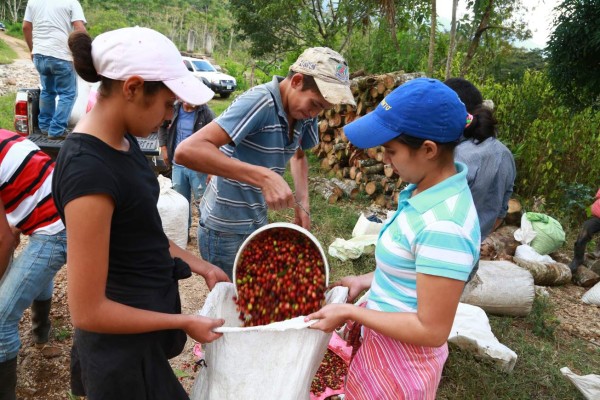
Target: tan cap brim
335, 93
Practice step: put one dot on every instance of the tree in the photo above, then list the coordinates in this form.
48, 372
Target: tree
432, 38
15, 8
501, 20
574, 52
281, 26
452, 39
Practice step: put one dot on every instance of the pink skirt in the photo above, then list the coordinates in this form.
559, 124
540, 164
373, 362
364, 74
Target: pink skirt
386, 369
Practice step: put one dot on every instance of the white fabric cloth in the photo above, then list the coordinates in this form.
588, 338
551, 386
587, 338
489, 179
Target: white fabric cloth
52, 23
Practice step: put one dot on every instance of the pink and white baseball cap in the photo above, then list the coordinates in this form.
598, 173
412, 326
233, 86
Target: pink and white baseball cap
144, 52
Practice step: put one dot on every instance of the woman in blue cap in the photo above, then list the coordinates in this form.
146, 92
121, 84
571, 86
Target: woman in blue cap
425, 251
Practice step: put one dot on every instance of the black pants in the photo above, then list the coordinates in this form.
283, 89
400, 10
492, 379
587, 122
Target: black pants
588, 230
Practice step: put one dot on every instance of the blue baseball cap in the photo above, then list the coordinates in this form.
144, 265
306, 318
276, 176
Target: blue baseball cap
423, 107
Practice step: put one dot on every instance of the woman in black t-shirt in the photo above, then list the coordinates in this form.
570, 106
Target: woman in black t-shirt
122, 270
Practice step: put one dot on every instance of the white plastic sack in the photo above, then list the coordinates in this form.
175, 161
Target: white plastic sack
525, 234
365, 227
526, 252
353, 248
471, 331
592, 296
174, 212
276, 361
588, 385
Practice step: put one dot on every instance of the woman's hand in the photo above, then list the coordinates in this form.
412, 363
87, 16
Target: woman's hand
201, 328
330, 317
355, 285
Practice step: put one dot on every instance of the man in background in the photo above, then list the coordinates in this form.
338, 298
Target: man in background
26, 207
187, 119
46, 26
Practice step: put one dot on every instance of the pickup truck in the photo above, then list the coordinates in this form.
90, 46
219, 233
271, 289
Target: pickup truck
26, 122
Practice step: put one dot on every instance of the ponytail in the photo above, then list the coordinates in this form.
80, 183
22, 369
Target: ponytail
483, 125
80, 44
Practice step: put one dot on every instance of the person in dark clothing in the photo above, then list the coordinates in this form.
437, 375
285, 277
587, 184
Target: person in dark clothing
589, 228
123, 271
187, 119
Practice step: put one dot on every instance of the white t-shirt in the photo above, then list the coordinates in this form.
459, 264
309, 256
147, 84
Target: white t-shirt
52, 23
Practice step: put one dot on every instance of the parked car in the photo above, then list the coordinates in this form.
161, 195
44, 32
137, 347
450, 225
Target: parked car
219, 82
2, 27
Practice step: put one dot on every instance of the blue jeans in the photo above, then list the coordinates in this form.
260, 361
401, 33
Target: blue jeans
29, 277
219, 248
187, 182
58, 79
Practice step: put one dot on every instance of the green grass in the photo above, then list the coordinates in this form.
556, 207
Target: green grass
7, 54
218, 104
15, 29
7, 111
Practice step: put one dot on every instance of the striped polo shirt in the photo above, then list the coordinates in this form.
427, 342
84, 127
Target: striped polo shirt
258, 127
26, 186
435, 232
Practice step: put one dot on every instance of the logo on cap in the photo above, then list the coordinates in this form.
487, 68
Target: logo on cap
385, 105
307, 64
341, 72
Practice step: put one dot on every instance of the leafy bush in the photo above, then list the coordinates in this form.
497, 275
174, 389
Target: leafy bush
554, 147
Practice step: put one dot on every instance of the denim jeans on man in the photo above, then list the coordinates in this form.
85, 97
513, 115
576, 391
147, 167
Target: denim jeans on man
219, 248
188, 182
58, 78
29, 277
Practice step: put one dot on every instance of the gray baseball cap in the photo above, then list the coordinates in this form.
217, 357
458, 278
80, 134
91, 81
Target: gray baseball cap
330, 71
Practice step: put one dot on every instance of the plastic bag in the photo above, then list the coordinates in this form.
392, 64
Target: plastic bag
588, 385
339, 347
549, 234
174, 212
527, 252
592, 296
365, 226
525, 234
471, 331
276, 361
353, 248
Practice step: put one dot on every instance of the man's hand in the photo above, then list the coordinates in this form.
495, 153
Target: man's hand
214, 276
277, 192
302, 216
165, 156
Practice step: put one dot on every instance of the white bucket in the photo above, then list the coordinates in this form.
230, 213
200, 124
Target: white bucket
281, 225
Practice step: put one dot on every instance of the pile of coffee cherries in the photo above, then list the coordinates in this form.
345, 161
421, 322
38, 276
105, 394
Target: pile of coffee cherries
331, 374
280, 274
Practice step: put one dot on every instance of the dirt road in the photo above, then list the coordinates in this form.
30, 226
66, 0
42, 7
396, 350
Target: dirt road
17, 45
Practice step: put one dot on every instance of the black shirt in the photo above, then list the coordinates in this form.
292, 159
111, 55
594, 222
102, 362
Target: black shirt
140, 272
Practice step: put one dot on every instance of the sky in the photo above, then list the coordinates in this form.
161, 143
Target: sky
539, 18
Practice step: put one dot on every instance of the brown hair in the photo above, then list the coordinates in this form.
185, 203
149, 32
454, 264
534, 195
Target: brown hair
308, 82
484, 123
80, 44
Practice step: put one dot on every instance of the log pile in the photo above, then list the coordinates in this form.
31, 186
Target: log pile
363, 166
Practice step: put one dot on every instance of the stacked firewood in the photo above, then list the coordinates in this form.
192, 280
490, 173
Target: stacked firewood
347, 163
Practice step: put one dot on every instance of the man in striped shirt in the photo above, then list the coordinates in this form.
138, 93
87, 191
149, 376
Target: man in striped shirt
257, 135
28, 208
